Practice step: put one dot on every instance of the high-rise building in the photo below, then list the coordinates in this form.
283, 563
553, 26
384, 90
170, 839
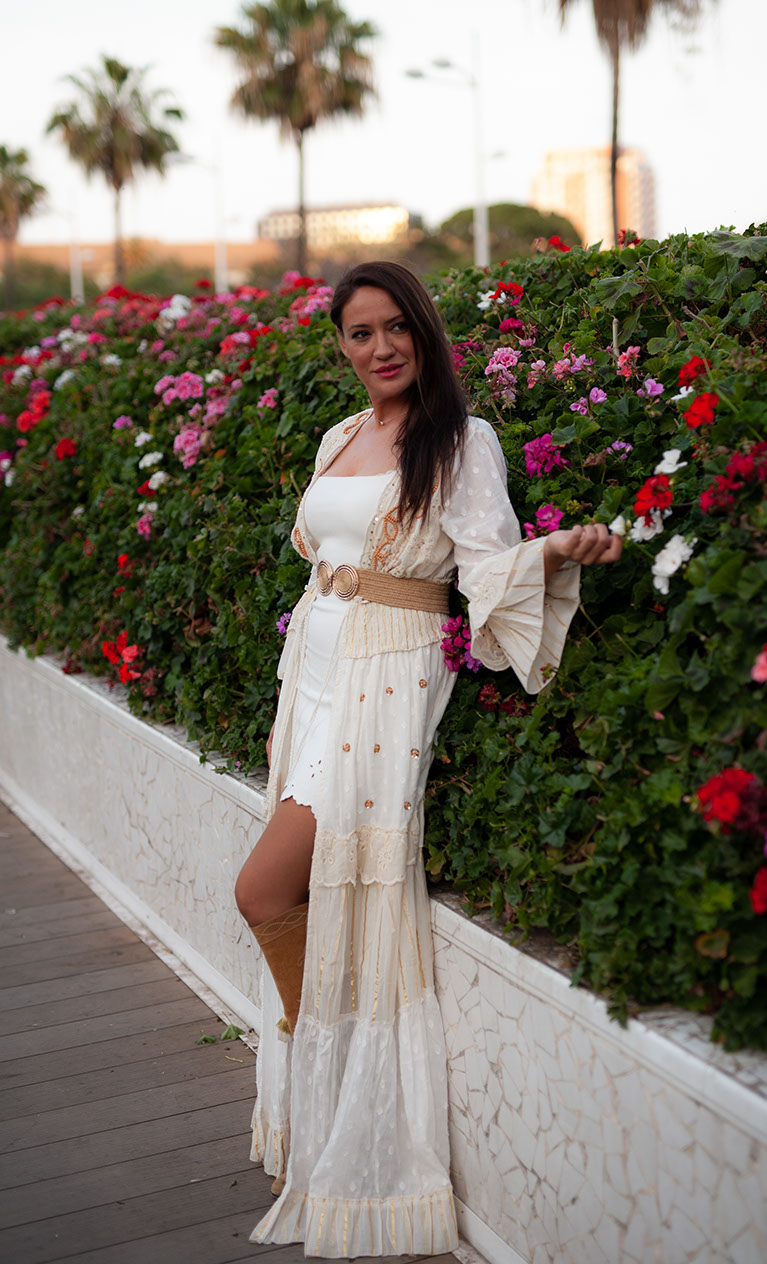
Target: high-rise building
576, 183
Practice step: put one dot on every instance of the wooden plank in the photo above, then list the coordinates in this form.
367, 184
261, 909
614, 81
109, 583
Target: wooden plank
89, 984
130, 1220
107, 1027
79, 963
59, 910
49, 889
118, 1181
126, 1050
78, 1008
59, 928
215, 1242
79, 1154
111, 1113
195, 1063
93, 941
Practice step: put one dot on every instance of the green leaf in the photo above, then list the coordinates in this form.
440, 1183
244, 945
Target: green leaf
723, 243
231, 1032
206, 1040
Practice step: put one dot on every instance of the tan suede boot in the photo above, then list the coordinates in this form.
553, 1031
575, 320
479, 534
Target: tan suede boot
282, 940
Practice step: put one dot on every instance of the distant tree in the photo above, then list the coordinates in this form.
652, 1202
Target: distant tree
20, 196
624, 23
300, 63
113, 129
513, 229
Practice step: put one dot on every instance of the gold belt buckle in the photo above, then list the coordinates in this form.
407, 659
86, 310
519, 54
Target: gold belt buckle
324, 578
346, 581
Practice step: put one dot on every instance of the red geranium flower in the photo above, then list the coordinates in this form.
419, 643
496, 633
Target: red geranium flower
731, 798
656, 494
203, 284
558, 244
701, 410
144, 489
510, 290
692, 369
758, 891
65, 447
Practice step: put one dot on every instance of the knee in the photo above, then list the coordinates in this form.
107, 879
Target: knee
248, 902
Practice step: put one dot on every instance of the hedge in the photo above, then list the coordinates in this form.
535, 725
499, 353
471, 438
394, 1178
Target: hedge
154, 452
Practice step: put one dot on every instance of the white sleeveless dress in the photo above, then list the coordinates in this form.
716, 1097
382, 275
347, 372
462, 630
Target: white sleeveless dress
338, 513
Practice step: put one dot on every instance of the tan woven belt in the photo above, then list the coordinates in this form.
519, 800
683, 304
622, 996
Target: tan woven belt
410, 594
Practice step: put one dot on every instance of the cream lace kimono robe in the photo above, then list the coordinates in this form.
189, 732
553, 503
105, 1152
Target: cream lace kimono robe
359, 1097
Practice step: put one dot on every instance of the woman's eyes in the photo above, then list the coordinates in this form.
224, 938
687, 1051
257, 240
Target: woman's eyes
399, 328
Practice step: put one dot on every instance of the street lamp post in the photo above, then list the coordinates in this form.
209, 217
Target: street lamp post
472, 80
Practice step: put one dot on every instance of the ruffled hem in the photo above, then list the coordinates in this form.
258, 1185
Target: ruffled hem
269, 1144
336, 1228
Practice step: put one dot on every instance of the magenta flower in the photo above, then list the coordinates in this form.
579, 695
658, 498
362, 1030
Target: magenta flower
548, 518
759, 673
621, 448
122, 423
282, 623
537, 369
511, 325
580, 406
164, 382
596, 395
541, 456
650, 389
456, 646
144, 525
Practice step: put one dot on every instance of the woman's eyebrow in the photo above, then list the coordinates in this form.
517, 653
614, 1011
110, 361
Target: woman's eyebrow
391, 320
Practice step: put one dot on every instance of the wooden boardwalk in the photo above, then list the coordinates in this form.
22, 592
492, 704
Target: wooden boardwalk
122, 1140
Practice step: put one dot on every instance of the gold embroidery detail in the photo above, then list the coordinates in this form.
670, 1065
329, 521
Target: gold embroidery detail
415, 752
346, 746
389, 689
391, 531
368, 803
362, 697
376, 749
407, 806
422, 683
299, 543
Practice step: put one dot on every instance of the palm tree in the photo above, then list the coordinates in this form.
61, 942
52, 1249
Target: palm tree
20, 195
300, 63
111, 130
624, 23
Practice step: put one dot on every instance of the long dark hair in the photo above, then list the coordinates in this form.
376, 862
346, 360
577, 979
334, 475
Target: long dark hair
433, 430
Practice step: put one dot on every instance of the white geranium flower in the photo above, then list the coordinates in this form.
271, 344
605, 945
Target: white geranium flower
158, 478
9, 477
142, 437
641, 530
485, 300
214, 377
618, 526
142, 346
31, 351
111, 360
683, 393
147, 506
63, 378
78, 511
179, 306
5, 464
69, 338
22, 374
149, 458
671, 557
670, 463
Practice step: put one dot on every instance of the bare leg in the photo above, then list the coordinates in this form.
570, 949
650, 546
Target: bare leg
275, 877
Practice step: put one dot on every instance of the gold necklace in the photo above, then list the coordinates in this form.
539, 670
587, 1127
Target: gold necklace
386, 423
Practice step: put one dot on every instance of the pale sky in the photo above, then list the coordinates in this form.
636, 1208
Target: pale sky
692, 102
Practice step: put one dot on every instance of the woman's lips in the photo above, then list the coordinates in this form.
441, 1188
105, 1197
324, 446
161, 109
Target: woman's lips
389, 370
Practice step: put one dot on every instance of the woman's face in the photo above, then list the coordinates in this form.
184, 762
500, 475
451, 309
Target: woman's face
375, 337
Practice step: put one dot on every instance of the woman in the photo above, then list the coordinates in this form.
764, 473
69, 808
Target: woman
403, 494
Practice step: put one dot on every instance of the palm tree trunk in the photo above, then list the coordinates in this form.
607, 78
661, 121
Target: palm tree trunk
615, 57
119, 255
9, 273
301, 257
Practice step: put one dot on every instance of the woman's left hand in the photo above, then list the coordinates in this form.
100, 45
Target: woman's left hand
590, 545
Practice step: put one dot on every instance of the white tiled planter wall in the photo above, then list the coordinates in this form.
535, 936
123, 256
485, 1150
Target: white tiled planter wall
573, 1141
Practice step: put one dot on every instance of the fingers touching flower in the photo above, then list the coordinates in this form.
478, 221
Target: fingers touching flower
618, 526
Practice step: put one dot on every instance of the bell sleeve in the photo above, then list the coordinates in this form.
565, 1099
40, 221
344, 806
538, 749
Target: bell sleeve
517, 619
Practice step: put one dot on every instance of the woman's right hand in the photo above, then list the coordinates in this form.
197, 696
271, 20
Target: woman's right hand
269, 740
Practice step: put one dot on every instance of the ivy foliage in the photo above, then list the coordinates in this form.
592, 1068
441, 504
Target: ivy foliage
576, 811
